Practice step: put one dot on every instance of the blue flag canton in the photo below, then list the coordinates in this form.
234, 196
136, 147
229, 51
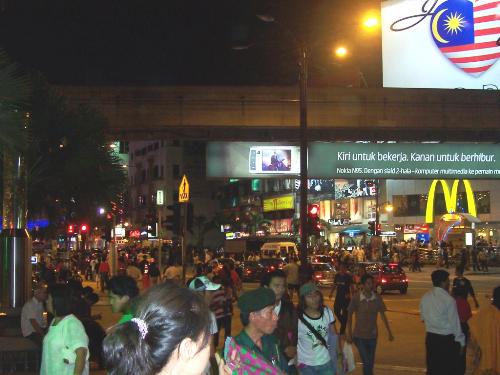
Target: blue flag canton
452, 23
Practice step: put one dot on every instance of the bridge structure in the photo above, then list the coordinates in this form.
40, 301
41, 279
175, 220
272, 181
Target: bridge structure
271, 113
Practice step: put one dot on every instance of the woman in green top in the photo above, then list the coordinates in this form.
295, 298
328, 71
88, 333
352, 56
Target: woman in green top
122, 290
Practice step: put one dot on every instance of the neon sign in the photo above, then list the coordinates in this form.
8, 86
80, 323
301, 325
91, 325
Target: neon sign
450, 198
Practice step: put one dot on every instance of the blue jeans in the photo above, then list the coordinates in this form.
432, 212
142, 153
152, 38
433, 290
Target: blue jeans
366, 349
326, 369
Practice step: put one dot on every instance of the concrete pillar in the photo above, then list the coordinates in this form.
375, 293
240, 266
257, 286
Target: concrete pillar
15, 242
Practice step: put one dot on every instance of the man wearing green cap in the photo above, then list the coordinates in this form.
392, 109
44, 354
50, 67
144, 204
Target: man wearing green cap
259, 321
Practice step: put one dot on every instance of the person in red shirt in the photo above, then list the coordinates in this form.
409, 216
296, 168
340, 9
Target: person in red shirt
104, 273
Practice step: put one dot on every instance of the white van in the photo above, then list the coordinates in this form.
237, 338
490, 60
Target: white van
278, 250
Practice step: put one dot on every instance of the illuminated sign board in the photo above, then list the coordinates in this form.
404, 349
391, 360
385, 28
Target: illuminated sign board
252, 160
441, 44
450, 198
404, 160
284, 202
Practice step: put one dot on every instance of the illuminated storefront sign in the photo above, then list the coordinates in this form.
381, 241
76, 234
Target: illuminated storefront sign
285, 202
450, 198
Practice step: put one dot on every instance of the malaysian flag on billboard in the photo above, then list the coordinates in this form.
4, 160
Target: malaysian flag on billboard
467, 32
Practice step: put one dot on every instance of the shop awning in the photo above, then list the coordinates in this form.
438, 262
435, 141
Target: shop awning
355, 229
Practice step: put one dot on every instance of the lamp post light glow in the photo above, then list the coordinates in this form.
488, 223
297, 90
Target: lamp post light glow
370, 22
341, 51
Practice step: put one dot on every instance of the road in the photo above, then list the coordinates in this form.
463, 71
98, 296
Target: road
405, 355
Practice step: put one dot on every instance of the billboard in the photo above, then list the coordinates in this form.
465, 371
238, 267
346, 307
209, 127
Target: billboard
441, 44
404, 160
252, 160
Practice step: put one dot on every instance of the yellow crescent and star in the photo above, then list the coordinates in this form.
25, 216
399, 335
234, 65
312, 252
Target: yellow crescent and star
454, 23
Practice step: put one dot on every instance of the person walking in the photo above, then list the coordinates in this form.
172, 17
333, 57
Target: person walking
475, 261
315, 322
483, 260
33, 323
444, 337
104, 271
168, 334
122, 291
259, 322
461, 289
366, 305
286, 331
65, 346
344, 285
222, 306
292, 276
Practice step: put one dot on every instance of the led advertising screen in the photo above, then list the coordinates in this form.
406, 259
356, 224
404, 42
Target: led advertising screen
441, 44
252, 160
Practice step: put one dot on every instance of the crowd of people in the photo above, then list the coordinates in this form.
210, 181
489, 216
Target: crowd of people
167, 327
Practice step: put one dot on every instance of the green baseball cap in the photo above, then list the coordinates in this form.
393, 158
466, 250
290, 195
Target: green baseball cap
256, 300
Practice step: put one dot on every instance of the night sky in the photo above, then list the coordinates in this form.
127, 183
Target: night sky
176, 42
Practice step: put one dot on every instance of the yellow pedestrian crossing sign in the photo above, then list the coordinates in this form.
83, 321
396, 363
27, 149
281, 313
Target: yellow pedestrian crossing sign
184, 190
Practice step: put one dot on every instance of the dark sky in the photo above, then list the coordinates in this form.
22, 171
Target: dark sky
186, 41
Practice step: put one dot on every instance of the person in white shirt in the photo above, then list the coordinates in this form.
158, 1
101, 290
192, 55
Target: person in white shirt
315, 322
33, 322
444, 339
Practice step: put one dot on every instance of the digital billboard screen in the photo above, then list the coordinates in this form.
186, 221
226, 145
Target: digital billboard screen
252, 160
441, 44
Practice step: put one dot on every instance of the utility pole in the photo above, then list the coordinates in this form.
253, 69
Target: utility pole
303, 153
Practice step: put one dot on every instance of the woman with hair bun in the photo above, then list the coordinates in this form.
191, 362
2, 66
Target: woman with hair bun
169, 334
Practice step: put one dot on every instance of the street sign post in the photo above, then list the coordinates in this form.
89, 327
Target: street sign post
184, 198
184, 190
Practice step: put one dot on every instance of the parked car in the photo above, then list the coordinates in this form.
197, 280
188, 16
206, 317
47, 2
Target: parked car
321, 259
252, 270
324, 273
387, 276
272, 264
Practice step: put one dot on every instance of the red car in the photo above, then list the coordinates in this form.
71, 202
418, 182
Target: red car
387, 276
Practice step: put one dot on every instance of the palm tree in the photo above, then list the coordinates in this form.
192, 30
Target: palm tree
14, 98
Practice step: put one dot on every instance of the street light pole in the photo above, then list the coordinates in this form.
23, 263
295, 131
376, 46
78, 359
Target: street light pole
303, 152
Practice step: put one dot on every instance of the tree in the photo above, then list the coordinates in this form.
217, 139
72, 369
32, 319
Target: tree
71, 168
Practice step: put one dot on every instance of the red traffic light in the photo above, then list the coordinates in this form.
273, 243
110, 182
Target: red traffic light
71, 229
313, 209
84, 228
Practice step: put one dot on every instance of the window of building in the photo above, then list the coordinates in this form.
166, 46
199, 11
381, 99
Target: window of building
161, 171
176, 171
414, 205
156, 172
141, 200
156, 145
123, 147
482, 202
144, 151
143, 176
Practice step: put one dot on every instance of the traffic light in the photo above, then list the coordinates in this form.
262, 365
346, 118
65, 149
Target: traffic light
84, 228
71, 229
173, 222
313, 222
371, 228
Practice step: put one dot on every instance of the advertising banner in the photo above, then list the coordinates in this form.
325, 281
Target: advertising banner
404, 160
252, 160
441, 44
285, 202
356, 162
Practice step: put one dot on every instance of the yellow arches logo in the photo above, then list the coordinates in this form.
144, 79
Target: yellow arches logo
450, 198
